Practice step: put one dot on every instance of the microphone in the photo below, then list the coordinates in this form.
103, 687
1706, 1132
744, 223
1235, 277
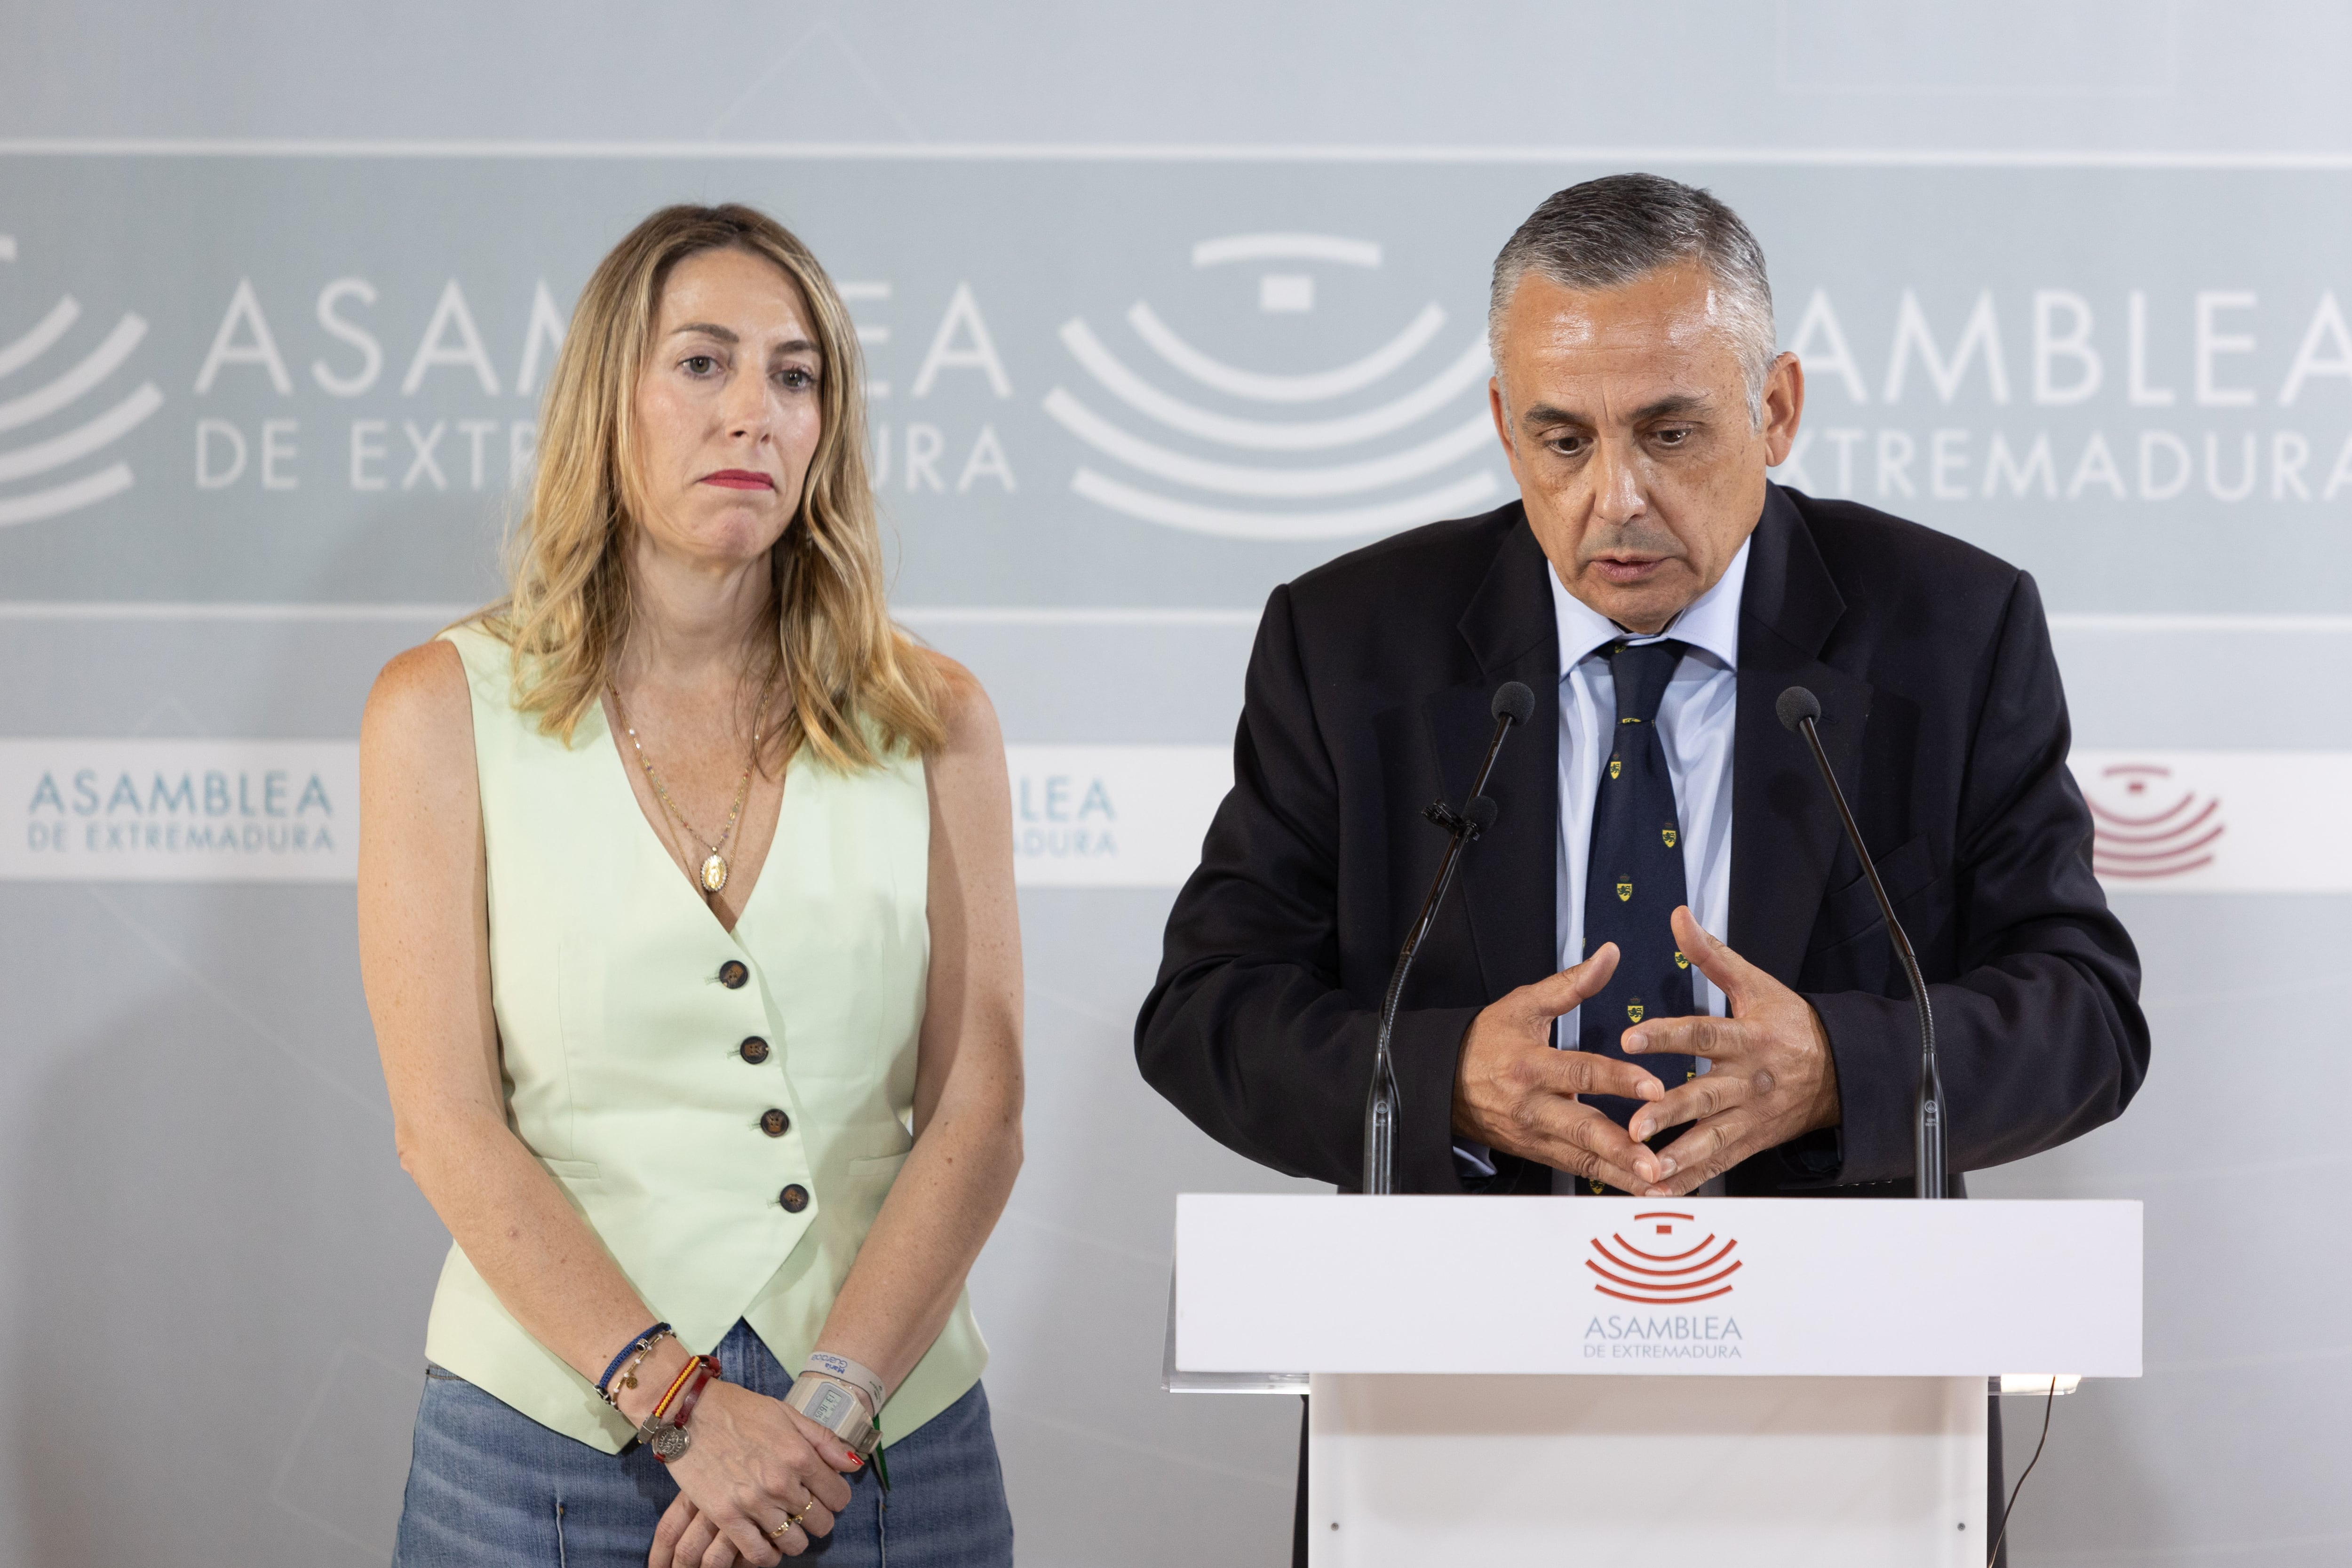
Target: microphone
1512, 705
1799, 712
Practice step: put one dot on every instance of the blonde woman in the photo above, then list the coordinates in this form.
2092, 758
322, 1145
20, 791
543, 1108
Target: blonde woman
686, 922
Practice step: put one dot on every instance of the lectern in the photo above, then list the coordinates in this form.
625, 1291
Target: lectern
1601, 1381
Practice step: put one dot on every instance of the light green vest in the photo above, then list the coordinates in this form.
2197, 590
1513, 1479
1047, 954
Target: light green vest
624, 1056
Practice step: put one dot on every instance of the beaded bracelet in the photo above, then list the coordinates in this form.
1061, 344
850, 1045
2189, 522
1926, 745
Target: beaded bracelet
634, 1354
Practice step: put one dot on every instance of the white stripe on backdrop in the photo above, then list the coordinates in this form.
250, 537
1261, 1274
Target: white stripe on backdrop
1082, 815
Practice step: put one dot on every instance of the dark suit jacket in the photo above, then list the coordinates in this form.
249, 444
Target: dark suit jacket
1942, 714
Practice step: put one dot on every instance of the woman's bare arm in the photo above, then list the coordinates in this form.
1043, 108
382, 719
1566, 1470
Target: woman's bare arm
424, 958
967, 1084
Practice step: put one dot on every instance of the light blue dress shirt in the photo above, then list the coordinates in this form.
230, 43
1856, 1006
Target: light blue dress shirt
1695, 723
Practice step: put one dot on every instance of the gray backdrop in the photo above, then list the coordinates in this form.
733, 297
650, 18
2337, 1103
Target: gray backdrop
279, 283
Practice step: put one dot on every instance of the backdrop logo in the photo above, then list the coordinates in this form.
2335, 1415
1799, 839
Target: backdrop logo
1330, 476
1112, 817
46, 460
1663, 1279
178, 811
2148, 827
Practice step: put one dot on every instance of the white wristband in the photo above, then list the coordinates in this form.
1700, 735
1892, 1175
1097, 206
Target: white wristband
842, 1369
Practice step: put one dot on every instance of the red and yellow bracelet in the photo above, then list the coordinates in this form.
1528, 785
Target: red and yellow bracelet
665, 1434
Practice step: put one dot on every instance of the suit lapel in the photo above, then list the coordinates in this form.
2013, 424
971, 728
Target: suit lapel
1785, 839
1508, 875
1785, 834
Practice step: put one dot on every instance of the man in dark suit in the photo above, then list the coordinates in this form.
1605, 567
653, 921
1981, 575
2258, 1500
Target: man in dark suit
1640, 402
1658, 594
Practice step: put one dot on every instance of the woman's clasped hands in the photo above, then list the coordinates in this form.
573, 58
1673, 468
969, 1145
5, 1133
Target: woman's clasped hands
759, 1483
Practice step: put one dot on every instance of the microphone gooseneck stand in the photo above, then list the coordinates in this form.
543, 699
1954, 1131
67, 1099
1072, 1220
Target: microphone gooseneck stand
1512, 704
1801, 710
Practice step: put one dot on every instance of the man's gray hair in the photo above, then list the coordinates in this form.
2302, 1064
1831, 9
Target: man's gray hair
1605, 233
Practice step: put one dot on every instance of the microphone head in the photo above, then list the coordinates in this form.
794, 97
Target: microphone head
1513, 701
1481, 811
1797, 705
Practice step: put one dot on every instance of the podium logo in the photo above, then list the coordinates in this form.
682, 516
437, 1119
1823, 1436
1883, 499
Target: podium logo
1331, 475
2143, 826
1663, 1272
44, 459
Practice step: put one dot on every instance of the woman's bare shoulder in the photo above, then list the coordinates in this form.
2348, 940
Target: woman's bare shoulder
421, 701
965, 711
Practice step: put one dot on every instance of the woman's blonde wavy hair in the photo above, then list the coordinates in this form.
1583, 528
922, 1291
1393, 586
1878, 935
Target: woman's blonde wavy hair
859, 688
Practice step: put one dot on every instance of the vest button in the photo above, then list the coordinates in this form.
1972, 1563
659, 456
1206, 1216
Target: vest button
774, 1123
753, 1049
795, 1198
732, 974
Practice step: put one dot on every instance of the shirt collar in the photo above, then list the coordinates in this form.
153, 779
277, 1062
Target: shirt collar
1711, 623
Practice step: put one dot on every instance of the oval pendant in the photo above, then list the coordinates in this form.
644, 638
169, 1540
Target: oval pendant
714, 873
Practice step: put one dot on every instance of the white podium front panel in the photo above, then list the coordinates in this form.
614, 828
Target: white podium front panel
1850, 1472
1721, 1287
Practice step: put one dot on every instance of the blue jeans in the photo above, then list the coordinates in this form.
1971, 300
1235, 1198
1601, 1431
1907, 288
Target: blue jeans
490, 1488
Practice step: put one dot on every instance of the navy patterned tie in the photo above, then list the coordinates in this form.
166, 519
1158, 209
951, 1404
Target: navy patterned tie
1633, 879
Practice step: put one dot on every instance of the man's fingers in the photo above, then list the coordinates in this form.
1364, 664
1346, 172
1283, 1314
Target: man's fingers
1709, 1094
1712, 1147
1583, 1142
1589, 1072
1733, 975
1694, 1035
1566, 991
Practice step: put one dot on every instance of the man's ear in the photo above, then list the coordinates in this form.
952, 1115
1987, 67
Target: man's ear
1784, 407
1501, 410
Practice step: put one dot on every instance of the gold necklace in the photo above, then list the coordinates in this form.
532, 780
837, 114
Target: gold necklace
714, 868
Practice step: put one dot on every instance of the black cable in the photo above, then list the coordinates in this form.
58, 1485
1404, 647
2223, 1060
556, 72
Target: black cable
2048, 1406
